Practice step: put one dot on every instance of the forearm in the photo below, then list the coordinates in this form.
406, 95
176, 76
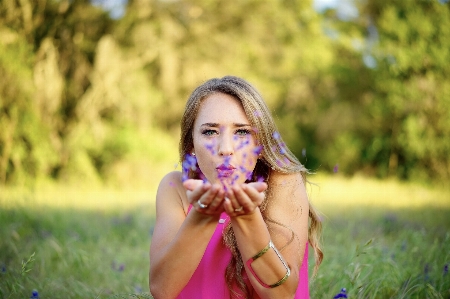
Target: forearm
252, 235
172, 266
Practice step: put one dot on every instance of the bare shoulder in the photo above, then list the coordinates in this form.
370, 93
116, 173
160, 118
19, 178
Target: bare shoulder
171, 191
287, 194
285, 179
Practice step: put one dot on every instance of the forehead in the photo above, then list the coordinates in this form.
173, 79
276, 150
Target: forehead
221, 108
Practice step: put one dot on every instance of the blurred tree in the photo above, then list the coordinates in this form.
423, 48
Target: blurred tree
411, 107
79, 91
60, 37
391, 110
277, 45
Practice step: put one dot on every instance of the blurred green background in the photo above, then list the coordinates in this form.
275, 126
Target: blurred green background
91, 93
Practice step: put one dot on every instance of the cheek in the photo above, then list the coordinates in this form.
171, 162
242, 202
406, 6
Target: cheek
204, 159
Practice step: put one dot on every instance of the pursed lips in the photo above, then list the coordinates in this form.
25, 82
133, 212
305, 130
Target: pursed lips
225, 170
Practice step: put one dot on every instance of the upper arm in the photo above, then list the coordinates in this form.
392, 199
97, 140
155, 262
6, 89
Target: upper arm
288, 210
170, 212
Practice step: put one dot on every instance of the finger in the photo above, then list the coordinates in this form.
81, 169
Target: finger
253, 194
198, 193
214, 198
242, 199
232, 198
259, 186
228, 207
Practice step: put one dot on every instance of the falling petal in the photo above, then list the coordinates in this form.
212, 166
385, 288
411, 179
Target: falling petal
257, 150
336, 168
276, 135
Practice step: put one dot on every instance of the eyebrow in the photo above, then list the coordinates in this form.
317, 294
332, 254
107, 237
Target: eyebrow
216, 125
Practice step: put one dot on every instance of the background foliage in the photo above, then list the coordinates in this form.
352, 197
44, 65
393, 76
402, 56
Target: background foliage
84, 96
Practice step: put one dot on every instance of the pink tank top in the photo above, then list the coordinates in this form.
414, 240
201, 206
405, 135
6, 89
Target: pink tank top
208, 280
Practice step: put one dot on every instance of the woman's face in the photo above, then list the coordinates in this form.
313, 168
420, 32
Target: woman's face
224, 140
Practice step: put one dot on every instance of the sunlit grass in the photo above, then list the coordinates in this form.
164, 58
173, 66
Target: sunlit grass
389, 194
382, 239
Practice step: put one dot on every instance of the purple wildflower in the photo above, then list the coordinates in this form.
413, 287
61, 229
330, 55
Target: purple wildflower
249, 175
276, 135
286, 160
426, 272
34, 294
342, 294
260, 179
403, 248
227, 161
242, 169
336, 168
137, 289
257, 113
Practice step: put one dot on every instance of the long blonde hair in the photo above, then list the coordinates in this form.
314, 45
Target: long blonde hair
275, 156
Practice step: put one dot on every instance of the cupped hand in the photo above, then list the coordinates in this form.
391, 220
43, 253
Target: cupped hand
244, 199
205, 198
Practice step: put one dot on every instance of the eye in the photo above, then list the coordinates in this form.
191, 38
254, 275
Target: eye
209, 132
243, 132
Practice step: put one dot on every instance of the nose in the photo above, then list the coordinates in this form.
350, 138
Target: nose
226, 146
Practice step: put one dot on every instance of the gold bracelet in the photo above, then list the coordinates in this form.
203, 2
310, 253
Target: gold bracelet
258, 255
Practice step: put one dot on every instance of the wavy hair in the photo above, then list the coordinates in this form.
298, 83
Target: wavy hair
273, 151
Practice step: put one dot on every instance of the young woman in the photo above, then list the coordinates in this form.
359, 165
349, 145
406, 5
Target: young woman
236, 223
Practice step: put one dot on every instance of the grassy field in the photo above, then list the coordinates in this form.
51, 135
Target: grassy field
382, 239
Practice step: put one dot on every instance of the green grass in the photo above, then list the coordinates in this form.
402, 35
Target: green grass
382, 239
